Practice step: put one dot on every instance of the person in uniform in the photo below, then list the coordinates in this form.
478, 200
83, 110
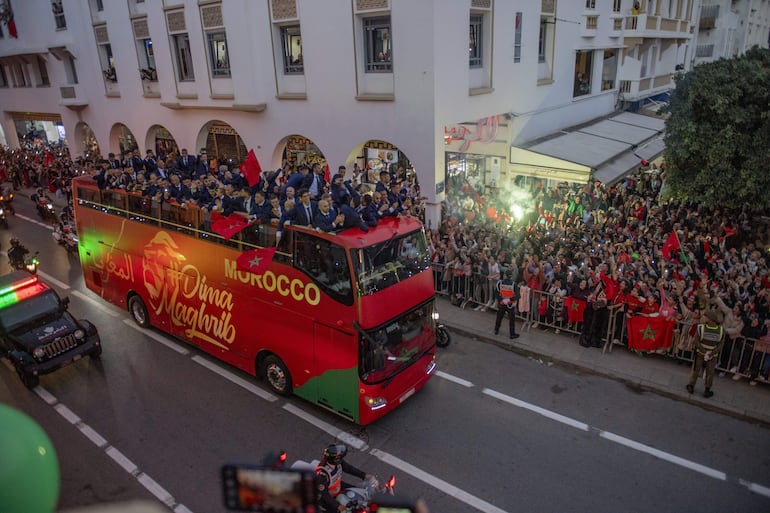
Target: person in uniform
329, 477
708, 343
506, 293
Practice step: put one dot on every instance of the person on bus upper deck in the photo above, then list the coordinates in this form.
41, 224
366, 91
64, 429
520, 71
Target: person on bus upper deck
316, 184
384, 183
302, 213
367, 211
326, 218
296, 180
185, 163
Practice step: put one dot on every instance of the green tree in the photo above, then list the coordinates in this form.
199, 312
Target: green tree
718, 134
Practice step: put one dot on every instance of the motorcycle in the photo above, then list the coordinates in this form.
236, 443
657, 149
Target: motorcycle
45, 209
3, 219
6, 199
27, 263
356, 499
443, 338
66, 236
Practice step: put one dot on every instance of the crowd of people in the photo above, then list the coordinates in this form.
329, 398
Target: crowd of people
299, 193
624, 249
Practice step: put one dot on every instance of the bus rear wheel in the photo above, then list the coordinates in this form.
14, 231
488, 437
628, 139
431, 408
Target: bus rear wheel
276, 375
139, 311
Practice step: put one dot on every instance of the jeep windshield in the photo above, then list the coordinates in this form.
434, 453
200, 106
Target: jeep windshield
29, 311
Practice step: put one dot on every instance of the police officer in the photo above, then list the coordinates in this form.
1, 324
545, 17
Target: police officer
329, 477
506, 293
708, 344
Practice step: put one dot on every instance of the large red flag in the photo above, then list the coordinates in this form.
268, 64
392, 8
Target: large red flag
649, 333
229, 226
10, 21
671, 244
251, 169
575, 309
255, 261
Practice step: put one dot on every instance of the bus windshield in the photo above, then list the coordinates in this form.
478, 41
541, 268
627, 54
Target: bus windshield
379, 266
388, 349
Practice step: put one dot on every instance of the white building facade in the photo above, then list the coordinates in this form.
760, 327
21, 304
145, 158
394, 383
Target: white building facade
727, 28
475, 88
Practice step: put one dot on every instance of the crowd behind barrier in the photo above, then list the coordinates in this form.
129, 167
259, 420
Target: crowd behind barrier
625, 253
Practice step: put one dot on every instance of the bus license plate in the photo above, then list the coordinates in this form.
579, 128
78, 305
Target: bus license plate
407, 395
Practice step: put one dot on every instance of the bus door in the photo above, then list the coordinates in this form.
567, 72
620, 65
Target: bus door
336, 364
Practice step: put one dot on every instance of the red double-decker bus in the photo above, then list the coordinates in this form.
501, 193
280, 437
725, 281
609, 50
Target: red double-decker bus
345, 320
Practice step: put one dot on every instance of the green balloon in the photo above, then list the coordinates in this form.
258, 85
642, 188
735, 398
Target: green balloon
29, 469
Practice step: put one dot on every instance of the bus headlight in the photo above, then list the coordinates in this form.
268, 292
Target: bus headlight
434, 315
375, 403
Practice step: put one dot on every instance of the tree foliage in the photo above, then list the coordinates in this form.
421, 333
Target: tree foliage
718, 134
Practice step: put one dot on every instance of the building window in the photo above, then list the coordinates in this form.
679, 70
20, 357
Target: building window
3, 77
99, 5
542, 42
653, 60
71, 70
592, 22
291, 39
107, 62
615, 5
609, 69
19, 75
583, 66
58, 15
476, 42
42, 69
590, 4
517, 39
220, 63
378, 45
148, 71
183, 57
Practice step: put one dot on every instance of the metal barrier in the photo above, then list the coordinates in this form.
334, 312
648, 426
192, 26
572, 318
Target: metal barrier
742, 356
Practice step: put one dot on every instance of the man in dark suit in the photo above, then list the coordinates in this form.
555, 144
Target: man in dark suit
302, 213
185, 163
326, 218
150, 162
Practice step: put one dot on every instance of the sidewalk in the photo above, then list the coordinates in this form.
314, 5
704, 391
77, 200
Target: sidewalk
656, 373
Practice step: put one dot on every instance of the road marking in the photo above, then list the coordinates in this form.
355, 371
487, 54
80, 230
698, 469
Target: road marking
121, 459
343, 436
51, 279
101, 305
251, 387
454, 379
537, 409
118, 457
48, 226
157, 490
756, 488
435, 482
697, 467
157, 337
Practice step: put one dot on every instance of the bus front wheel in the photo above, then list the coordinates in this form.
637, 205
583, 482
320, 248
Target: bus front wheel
139, 311
276, 375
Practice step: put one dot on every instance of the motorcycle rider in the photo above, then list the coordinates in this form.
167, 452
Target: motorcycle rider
41, 199
16, 254
329, 477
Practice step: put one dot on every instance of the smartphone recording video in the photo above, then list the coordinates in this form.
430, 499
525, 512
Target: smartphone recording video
255, 488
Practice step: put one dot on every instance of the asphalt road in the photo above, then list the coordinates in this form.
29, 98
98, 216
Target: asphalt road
492, 432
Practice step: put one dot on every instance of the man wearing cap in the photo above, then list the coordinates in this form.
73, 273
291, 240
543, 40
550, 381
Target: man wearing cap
708, 343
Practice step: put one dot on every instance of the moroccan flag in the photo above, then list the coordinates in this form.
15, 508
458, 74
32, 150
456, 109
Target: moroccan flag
671, 244
649, 333
255, 261
251, 169
575, 309
327, 174
48, 158
229, 226
9, 20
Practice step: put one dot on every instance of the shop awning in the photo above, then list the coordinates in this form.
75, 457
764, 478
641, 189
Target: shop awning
606, 146
652, 149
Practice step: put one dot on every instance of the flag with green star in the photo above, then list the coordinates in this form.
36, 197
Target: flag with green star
650, 333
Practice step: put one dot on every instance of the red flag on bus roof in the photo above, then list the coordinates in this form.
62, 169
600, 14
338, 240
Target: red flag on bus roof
229, 226
250, 169
255, 261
